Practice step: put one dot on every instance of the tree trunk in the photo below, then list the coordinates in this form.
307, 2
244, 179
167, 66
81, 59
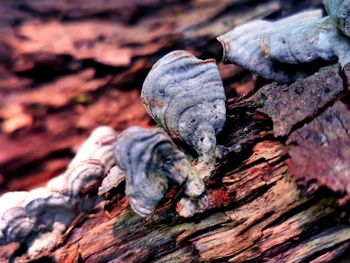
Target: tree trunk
71, 66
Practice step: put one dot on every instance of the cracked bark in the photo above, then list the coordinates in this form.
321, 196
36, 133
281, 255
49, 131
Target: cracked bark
258, 213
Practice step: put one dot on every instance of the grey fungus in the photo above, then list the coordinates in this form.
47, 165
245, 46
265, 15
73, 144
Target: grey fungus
147, 158
242, 45
47, 207
150, 160
15, 223
320, 40
186, 97
25, 215
339, 12
39, 217
112, 180
266, 48
79, 179
98, 146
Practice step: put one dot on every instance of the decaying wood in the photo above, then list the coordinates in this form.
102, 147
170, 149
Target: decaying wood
257, 211
328, 135
289, 105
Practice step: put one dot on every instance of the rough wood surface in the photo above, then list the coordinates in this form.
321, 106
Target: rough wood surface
257, 213
69, 67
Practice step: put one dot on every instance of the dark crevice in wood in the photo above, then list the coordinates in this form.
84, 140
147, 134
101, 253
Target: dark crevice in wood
302, 207
317, 114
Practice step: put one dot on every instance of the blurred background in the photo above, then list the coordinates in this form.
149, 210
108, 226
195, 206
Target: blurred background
68, 66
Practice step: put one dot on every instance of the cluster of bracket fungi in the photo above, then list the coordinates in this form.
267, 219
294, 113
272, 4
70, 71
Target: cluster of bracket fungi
186, 97
147, 159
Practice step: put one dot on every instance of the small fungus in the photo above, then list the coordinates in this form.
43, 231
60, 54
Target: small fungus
267, 48
193, 100
149, 159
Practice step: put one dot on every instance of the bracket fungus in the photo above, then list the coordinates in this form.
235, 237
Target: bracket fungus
186, 97
77, 182
114, 177
147, 158
15, 224
150, 160
48, 207
39, 217
26, 215
267, 48
98, 146
78, 178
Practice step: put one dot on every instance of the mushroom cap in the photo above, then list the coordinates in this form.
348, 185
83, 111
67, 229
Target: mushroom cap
185, 95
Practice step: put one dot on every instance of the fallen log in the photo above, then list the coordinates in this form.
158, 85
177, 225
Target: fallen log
257, 212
